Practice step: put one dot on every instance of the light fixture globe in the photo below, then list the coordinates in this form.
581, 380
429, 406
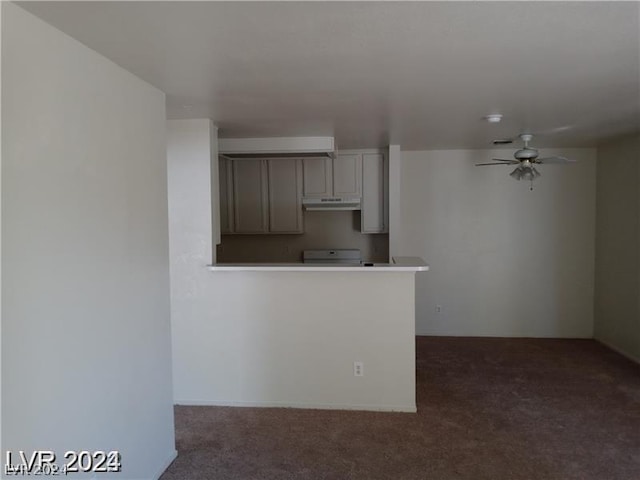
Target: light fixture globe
527, 174
517, 173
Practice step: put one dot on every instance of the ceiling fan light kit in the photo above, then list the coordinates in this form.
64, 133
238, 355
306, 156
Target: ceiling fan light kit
526, 158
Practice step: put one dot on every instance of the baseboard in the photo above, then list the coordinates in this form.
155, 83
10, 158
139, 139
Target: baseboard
166, 464
633, 358
308, 406
509, 336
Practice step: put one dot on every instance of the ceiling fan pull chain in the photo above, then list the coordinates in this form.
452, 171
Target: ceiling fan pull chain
531, 185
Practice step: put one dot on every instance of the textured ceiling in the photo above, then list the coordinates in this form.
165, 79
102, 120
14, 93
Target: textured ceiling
421, 74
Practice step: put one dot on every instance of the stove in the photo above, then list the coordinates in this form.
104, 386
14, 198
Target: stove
338, 256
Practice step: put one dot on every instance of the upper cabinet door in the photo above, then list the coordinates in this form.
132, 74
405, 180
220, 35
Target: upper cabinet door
285, 195
225, 181
347, 174
250, 196
317, 177
374, 212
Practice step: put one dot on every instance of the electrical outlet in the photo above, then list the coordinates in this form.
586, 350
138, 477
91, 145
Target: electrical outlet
438, 308
358, 369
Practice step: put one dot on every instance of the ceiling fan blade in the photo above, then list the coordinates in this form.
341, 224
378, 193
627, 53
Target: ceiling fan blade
493, 163
511, 161
554, 160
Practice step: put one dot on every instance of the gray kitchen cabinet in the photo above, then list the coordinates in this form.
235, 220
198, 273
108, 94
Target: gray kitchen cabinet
250, 196
318, 177
339, 177
347, 175
375, 200
225, 182
285, 195
261, 196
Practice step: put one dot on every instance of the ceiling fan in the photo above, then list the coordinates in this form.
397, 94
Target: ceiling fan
526, 159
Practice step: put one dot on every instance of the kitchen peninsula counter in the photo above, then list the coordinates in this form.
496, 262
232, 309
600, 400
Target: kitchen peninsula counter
399, 264
290, 335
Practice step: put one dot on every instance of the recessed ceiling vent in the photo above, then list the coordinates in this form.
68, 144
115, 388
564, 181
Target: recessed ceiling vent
503, 141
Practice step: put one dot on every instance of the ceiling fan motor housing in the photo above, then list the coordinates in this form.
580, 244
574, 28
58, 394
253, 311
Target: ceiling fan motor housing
526, 154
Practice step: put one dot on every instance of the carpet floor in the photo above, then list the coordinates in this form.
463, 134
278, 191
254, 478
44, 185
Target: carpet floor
488, 408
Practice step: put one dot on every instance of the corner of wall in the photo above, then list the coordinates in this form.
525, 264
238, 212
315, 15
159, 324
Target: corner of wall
617, 270
1, 9
215, 189
395, 158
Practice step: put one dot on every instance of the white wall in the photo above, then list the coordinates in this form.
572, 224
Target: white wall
273, 339
190, 176
86, 353
1, 35
617, 311
190, 228
505, 261
395, 187
277, 338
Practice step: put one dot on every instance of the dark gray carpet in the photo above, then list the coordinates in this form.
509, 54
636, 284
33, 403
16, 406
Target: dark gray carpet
488, 408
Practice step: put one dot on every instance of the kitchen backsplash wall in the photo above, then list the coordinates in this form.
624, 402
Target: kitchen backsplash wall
323, 230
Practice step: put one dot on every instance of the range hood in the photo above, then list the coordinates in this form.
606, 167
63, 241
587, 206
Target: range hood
298, 147
331, 203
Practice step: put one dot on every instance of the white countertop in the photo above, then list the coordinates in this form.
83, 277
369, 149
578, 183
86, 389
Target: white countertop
400, 264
